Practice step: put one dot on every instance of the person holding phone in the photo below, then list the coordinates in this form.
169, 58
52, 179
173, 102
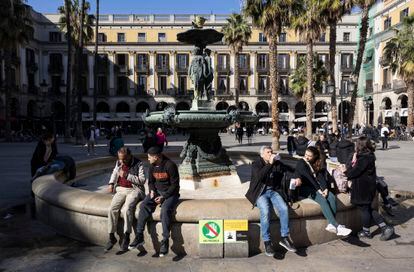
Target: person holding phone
164, 190
127, 183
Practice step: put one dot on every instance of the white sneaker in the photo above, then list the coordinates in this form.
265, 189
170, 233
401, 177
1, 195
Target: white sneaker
331, 228
343, 231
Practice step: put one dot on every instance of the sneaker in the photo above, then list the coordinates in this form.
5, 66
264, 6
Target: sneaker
269, 249
125, 243
364, 235
388, 209
331, 228
387, 232
164, 247
138, 241
343, 231
392, 201
287, 244
111, 242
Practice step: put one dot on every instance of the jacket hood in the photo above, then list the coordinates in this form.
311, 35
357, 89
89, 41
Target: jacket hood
345, 144
367, 155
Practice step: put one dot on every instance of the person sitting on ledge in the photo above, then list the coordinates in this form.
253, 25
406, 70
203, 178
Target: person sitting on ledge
316, 182
164, 190
127, 182
265, 190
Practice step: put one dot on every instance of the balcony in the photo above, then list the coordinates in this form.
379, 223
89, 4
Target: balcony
142, 69
264, 95
386, 86
244, 92
223, 69
181, 69
31, 67
245, 70
262, 69
283, 69
121, 69
347, 69
55, 68
162, 69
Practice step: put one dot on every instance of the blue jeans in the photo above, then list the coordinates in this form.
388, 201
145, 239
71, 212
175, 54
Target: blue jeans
263, 203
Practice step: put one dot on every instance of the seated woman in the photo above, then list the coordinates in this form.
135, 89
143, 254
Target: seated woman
363, 175
315, 184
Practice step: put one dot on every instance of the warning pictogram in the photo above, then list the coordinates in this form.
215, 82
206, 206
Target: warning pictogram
211, 231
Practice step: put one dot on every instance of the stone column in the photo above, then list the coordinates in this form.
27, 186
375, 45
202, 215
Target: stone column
152, 72
37, 73
45, 62
232, 80
253, 64
338, 77
111, 57
131, 70
172, 69
91, 62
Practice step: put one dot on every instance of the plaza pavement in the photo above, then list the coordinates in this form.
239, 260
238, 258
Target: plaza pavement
28, 245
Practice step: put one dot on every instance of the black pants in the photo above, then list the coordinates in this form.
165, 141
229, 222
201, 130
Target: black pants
367, 214
148, 206
382, 188
384, 142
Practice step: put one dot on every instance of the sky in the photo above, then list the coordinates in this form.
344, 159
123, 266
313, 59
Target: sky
147, 6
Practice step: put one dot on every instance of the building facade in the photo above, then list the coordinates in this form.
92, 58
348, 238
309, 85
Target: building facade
143, 66
387, 90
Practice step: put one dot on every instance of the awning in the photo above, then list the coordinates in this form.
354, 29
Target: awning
321, 119
404, 112
303, 119
300, 119
283, 117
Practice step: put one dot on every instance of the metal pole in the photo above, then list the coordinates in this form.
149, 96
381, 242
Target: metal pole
342, 112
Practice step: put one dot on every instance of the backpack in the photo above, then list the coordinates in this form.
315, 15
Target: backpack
340, 180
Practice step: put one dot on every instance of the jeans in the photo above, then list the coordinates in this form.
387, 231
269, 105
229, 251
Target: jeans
148, 207
328, 205
263, 203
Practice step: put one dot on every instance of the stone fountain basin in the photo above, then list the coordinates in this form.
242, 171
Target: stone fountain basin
82, 214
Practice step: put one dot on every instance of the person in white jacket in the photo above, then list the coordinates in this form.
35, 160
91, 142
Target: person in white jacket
127, 183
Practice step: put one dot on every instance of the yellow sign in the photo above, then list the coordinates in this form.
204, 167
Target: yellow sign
210, 231
237, 225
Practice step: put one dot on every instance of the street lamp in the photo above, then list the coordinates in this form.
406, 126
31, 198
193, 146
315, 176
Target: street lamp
327, 108
367, 103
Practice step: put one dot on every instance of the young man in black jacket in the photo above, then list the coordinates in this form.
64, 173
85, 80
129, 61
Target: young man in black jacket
164, 190
265, 190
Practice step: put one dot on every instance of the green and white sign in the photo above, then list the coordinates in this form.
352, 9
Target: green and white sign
210, 231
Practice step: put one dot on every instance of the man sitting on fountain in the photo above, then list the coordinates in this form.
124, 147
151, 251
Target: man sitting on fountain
266, 190
164, 189
127, 181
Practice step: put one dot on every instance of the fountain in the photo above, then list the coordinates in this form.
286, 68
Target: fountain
204, 159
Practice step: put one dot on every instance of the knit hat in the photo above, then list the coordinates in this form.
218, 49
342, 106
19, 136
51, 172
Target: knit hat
154, 150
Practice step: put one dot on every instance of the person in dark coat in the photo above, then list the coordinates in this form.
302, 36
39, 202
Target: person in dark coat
333, 145
45, 152
265, 191
316, 185
291, 147
301, 143
149, 141
322, 144
362, 173
344, 150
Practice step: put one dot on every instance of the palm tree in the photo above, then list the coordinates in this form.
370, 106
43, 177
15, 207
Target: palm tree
95, 66
334, 14
310, 23
298, 79
270, 16
68, 70
398, 53
365, 5
237, 33
81, 33
15, 28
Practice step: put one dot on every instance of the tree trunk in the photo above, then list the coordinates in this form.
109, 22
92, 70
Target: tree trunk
355, 74
95, 67
236, 79
79, 129
309, 93
274, 88
68, 74
332, 53
410, 94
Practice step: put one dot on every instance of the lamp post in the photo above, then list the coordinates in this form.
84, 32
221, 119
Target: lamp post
367, 103
327, 107
42, 99
331, 90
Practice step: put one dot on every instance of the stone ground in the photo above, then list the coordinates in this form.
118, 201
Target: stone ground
28, 245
